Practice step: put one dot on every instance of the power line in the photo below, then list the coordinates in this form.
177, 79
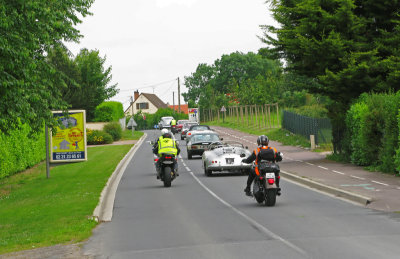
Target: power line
152, 86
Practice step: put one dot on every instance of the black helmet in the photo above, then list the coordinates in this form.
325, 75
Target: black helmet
167, 135
262, 140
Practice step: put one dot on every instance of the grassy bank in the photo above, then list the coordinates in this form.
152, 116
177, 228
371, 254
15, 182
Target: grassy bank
127, 135
277, 134
36, 211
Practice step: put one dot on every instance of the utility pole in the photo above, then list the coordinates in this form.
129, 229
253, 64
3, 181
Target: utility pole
179, 96
173, 100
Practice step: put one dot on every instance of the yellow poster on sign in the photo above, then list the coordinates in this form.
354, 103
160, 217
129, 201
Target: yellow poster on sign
69, 142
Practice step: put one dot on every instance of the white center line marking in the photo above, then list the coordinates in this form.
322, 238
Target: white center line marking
323, 167
353, 176
309, 163
250, 220
301, 161
187, 168
337, 172
380, 183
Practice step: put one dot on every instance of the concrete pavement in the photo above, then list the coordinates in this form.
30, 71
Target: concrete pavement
373, 190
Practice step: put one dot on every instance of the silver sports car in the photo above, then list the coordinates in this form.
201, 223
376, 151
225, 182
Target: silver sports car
225, 156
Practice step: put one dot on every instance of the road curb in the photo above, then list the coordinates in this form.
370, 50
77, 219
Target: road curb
328, 189
104, 210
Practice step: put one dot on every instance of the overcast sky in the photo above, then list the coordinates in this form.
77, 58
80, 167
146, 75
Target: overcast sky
148, 42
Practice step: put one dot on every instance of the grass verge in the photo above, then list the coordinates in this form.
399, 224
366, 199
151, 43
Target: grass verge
37, 212
127, 135
277, 134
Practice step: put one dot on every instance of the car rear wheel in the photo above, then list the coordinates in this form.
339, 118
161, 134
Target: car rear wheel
206, 171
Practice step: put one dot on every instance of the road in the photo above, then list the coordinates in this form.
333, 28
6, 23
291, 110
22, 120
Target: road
210, 217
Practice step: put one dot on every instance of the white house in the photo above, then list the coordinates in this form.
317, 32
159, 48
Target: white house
147, 103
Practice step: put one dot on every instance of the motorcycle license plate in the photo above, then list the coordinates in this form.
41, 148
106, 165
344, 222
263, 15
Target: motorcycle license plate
269, 175
229, 161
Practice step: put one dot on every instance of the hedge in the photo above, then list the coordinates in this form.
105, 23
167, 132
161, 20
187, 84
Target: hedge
109, 111
373, 128
20, 150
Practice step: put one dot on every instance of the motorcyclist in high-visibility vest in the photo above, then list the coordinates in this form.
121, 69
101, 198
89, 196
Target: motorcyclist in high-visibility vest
173, 126
167, 145
156, 143
262, 142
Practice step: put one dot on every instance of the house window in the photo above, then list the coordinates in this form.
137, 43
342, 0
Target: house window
142, 106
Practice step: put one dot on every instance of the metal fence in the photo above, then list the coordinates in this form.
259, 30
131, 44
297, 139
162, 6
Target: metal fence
306, 126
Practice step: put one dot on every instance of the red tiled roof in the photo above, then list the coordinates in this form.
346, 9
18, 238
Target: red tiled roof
184, 108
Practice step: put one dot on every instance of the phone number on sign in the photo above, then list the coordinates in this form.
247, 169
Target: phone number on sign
67, 156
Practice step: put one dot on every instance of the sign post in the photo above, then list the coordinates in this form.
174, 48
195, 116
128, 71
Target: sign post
223, 109
69, 142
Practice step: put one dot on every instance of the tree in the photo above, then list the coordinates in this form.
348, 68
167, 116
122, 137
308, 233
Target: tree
29, 29
348, 46
209, 85
94, 82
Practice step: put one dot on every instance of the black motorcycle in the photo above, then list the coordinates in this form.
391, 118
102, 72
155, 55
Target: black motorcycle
264, 187
167, 169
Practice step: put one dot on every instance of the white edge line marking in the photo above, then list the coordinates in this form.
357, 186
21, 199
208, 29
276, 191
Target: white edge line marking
301, 161
353, 176
323, 167
337, 172
187, 168
309, 163
250, 220
380, 183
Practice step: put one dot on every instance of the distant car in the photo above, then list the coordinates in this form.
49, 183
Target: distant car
165, 122
225, 156
186, 128
196, 128
200, 141
179, 124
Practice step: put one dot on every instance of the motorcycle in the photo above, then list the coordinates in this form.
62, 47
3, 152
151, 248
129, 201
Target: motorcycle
264, 187
174, 129
166, 168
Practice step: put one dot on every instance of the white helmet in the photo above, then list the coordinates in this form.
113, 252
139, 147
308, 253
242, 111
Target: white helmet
164, 131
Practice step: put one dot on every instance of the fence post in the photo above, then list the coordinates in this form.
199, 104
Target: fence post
312, 140
277, 114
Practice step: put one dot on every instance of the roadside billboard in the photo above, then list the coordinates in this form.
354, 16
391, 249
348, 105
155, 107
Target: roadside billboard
194, 114
68, 144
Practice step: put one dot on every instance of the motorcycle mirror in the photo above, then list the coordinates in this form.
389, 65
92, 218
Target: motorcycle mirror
242, 155
221, 138
246, 147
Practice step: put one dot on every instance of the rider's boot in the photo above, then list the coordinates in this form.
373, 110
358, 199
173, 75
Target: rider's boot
247, 191
278, 192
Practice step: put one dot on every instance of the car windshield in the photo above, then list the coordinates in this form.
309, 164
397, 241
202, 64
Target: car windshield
205, 138
200, 127
187, 125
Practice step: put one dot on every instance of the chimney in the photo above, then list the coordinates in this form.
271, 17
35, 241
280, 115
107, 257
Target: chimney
136, 94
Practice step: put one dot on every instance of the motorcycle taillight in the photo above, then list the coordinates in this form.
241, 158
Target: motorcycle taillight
261, 178
155, 159
168, 157
271, 181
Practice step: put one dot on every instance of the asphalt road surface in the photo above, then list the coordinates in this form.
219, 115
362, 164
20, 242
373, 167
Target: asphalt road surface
210, 217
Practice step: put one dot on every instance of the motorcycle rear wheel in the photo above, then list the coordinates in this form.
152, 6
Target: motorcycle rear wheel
167, 176
270, 197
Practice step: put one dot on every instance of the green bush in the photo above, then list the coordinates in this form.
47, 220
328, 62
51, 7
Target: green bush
109, 111
98, 137
313, 111
373, 129
114, 129
20, 150
147, 121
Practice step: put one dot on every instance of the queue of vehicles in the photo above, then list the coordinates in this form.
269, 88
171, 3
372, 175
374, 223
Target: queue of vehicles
220, 156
